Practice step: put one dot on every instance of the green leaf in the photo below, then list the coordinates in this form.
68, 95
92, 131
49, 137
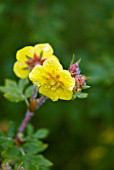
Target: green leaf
5, 141
14, 92
11, 91
13, 97
85, 87
30, 162
29, 91
36, 162
34, 147
22, 84
41, 133
11, 130
30, 129
80, 95
10, 83
11, 153
43, 161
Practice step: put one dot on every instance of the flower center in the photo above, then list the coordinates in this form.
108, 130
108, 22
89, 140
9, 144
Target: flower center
53, 82
32, 62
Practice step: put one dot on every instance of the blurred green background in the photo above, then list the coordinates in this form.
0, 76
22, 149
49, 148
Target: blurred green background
81, 131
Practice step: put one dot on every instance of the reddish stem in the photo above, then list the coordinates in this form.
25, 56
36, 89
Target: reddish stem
27, 118
25, 121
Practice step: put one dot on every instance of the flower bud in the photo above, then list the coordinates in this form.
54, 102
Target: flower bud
79, 83
74, 69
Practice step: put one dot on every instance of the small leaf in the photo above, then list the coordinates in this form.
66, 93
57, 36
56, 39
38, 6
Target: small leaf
41, 133
10, 83
30, 162
74, 96
43, 161
34, 147
30, 129
82, 95
36, 162
22, 84
14, 97
85, 87
79, 95
12, 152
29, 91
11, 91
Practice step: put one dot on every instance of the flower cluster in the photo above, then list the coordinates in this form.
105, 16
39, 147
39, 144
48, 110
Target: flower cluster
45, 71
80, 80
28, 57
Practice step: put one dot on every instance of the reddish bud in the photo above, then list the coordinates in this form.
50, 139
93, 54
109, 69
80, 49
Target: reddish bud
79, 83
74, 69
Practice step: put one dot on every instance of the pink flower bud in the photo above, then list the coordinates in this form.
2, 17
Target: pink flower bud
74, 69
79, 82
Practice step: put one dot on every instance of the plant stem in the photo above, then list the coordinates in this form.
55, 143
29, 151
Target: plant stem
25, 121
34, 92
27, 118
41, 101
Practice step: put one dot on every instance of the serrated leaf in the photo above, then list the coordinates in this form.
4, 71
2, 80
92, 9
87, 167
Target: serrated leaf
12, 152
30, 162
44, 161
36, 162
41, 133
12, 92
22, 84
29, 91
34, 147
10, 83
14, 97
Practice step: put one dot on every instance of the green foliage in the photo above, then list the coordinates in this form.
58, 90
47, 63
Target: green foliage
27, 153
85, 28
15, 92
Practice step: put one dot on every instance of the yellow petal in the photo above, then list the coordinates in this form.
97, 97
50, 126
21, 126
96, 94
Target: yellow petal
45, 49
51, 94
26, 51
64, 93
52, 67
38, 75
19, 69
69, 82
53, 57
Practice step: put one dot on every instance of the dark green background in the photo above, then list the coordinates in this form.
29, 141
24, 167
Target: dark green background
81, 131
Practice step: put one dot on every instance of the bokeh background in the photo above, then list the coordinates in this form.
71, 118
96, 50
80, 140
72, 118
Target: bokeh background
81, 131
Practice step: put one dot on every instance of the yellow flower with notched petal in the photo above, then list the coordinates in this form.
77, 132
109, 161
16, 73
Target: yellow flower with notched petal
52, 80
30, 56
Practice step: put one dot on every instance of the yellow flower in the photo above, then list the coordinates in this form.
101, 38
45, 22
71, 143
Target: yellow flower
30, 56
53, 81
